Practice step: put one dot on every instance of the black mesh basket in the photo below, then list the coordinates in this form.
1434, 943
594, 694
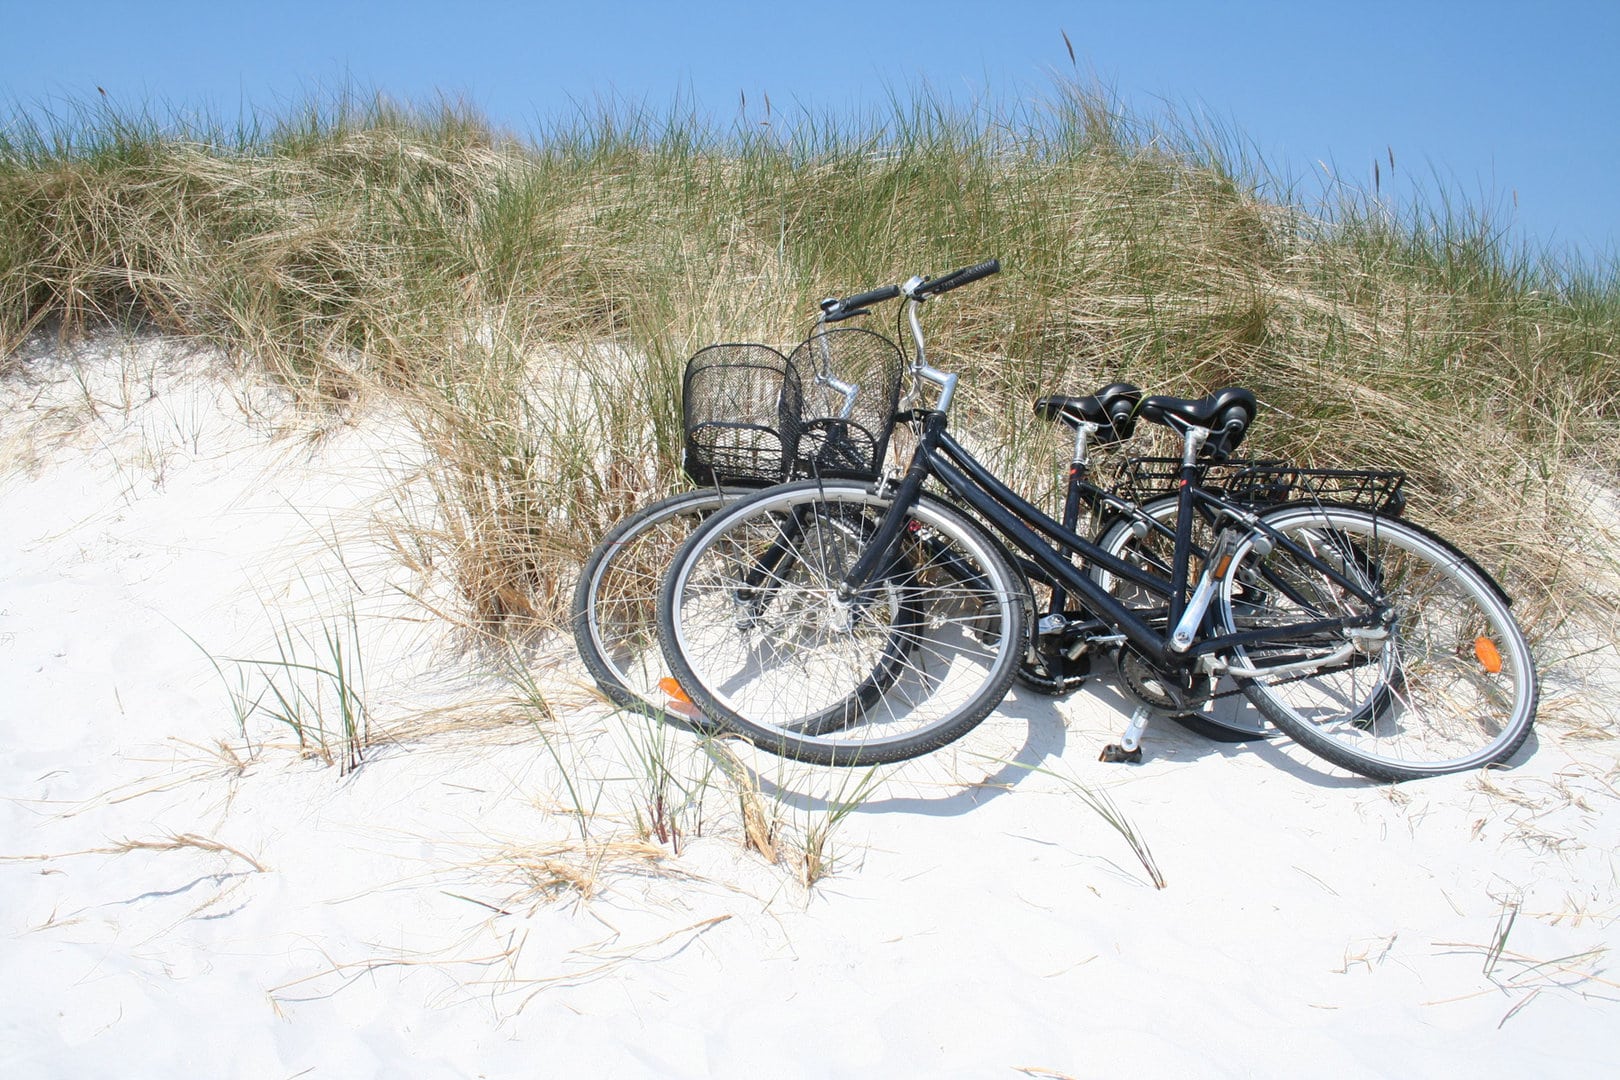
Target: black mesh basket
1267, 482
838, 438
755, 416
741, 408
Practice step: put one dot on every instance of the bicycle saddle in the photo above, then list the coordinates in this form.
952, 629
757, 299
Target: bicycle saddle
1112, 409
1227, 413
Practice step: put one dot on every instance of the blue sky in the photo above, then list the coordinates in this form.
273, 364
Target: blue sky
1510, 106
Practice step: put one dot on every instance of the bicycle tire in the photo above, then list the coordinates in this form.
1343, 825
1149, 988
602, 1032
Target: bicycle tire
1153, 550
614, 617
921, 656
1454, 682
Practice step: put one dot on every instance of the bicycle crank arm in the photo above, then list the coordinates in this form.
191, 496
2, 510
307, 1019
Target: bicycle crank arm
1181, 640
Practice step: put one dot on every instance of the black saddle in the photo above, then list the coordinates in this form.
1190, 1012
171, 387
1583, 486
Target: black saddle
1226, 413
1112, 409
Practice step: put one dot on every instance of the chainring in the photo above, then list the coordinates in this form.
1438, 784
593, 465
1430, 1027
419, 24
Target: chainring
1153, 688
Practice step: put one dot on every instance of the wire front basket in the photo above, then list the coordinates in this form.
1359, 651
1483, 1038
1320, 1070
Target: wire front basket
1268, 482
839, 436
740, 405
755, 416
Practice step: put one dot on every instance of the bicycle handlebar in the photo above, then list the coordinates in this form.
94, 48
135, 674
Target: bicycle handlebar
837, 310
957, 278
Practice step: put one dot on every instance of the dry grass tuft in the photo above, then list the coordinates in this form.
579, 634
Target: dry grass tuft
545, 872
171, 842
760, 821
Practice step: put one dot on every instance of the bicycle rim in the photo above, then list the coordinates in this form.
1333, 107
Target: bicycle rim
753, 623
1451, 687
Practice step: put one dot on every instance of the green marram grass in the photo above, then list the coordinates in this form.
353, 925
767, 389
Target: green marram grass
530, 302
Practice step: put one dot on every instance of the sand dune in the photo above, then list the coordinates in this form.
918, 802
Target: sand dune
192, 886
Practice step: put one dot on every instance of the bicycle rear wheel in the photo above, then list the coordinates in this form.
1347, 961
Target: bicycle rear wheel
753, 626
1452, 686
615, 611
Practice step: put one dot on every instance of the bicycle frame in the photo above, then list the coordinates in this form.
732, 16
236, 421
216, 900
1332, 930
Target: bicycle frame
1052, 546
1079, 492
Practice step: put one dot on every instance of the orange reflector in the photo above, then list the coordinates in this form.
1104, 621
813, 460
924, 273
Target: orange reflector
1489, 658
669, 686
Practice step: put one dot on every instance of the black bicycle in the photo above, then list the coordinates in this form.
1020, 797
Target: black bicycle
754, 416
849, 622
1135, 519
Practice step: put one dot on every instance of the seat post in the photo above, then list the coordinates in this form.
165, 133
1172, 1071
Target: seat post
1192, 441
1083, 431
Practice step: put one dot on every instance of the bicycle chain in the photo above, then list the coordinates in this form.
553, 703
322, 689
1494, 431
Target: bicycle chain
1280, 682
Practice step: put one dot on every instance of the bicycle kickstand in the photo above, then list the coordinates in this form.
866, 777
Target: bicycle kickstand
1129, 747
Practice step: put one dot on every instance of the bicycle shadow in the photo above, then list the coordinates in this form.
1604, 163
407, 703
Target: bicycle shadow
1013, 742
1100, 710
1166, 739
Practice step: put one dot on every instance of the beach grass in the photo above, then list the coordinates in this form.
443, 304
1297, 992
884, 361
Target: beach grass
530, 301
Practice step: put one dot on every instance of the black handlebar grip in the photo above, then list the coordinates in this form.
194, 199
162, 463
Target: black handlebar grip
964, 276
874, 296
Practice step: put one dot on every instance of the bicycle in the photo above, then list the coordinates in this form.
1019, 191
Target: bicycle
1369, 640
1135, 520
752, 417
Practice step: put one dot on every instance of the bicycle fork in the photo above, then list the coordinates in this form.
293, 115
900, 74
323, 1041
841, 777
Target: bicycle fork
895, 520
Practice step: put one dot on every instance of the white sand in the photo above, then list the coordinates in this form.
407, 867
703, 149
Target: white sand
184, 896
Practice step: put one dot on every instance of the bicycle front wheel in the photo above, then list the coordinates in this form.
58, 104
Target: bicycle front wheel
753, 625
1448, 684
615, 612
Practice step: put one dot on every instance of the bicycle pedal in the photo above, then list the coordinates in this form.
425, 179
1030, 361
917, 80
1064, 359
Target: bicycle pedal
1114, 752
